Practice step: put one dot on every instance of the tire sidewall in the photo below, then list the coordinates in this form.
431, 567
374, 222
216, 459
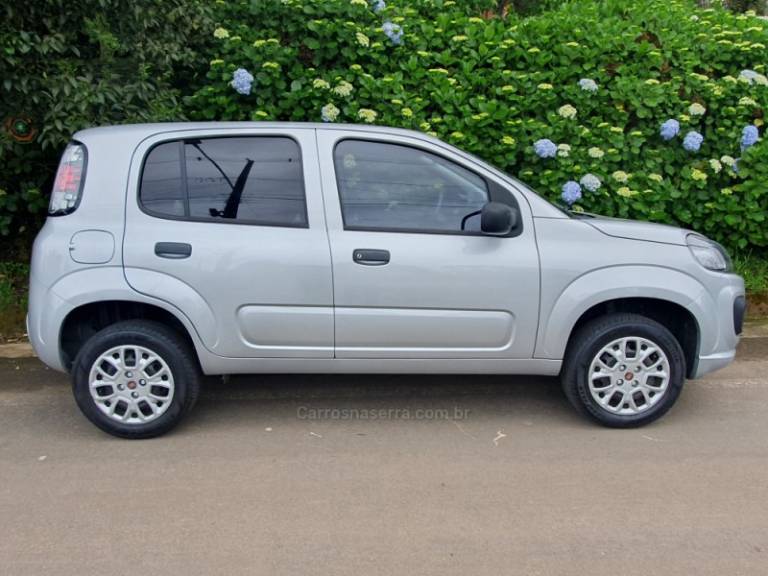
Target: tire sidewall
99, 344
650, 331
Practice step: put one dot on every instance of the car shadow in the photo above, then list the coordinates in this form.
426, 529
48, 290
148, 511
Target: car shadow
270, 398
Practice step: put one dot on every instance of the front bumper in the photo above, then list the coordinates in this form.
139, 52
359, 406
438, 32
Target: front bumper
712, 362
723, 326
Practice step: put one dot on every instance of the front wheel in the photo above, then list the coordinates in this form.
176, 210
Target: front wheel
623, 370
135, 379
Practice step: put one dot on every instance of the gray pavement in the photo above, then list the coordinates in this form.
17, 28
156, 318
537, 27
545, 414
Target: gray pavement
513, 482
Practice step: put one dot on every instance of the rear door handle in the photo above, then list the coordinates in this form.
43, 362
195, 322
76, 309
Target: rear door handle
173, 250
368, 257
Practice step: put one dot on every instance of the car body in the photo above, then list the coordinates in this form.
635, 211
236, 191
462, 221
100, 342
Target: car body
345, 255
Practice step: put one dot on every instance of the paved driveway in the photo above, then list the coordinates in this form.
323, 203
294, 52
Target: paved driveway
456, 475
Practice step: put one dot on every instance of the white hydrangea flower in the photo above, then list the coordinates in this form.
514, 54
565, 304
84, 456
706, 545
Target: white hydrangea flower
567, 111
367, 115
696, 109
343, 89
595, 152
620, 176
329, 113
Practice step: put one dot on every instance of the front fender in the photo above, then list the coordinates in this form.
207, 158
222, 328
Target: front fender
616, 282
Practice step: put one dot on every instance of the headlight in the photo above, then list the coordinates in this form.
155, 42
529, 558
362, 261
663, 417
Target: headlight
709, 253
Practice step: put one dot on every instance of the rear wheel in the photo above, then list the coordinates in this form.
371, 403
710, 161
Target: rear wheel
623, 370
135, 379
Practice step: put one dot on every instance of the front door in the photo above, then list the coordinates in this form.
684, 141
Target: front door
228, 226
413, 276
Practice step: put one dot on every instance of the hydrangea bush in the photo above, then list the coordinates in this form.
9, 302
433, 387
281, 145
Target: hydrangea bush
649, 109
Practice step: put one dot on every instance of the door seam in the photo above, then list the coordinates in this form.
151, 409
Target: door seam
327, 236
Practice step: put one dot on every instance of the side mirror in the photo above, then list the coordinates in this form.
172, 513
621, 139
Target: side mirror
497, 219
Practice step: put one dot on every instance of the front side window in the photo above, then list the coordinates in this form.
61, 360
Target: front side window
394, 187
255, 180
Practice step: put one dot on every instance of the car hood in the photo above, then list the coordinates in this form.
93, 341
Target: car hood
636, 230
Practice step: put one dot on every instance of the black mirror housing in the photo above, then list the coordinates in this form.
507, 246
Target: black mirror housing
497, 219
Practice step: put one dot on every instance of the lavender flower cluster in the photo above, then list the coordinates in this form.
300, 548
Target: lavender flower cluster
242, 81
394, 32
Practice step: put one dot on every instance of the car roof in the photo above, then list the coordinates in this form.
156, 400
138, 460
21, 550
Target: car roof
144, 130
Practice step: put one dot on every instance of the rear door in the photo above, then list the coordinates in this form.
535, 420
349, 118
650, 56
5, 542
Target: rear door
409, 282
229, 227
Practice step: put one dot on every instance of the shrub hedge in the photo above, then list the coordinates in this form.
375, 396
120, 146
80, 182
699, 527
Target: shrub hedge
494, 86
65, 66
597, 79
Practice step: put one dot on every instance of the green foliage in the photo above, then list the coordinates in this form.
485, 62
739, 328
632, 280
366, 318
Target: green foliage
754, 270
758, 6
13, 299
494, 86
65, 66
13, 284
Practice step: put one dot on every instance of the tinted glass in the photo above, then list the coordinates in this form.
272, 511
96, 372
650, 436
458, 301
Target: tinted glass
254, 179
251, 179
162, 190
389, 186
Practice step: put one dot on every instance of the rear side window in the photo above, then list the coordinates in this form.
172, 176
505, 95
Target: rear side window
394, 187
251, 180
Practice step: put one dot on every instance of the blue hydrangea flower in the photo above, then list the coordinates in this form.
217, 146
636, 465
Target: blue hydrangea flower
545, 148
692, 141
242, 81
749, 136
590, 182
670, 129
378, 5
571, 192
588, 85
394, 32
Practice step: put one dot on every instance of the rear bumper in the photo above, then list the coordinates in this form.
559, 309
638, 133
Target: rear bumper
45, 316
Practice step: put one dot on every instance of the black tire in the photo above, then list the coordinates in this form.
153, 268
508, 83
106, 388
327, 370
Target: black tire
174, 351
591, 338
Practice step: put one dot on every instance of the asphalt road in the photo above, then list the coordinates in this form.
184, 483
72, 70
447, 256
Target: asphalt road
251, 484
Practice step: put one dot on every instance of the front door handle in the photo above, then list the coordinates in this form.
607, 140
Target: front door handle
368, 257
173, 250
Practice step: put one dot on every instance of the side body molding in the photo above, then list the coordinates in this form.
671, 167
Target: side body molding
611, 283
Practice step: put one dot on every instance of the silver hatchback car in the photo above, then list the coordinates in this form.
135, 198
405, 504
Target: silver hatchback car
177, 250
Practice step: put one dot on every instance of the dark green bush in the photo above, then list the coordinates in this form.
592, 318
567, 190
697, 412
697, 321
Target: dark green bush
67, 65
490, 85
495, 86
758, 6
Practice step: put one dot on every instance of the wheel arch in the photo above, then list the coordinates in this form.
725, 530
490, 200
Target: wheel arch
88, 318
672, 298
674, 317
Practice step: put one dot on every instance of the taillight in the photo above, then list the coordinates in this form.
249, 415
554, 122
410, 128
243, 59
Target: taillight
69, 181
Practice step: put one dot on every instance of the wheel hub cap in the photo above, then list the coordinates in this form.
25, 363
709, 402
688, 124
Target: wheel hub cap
131, 384
629, 375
